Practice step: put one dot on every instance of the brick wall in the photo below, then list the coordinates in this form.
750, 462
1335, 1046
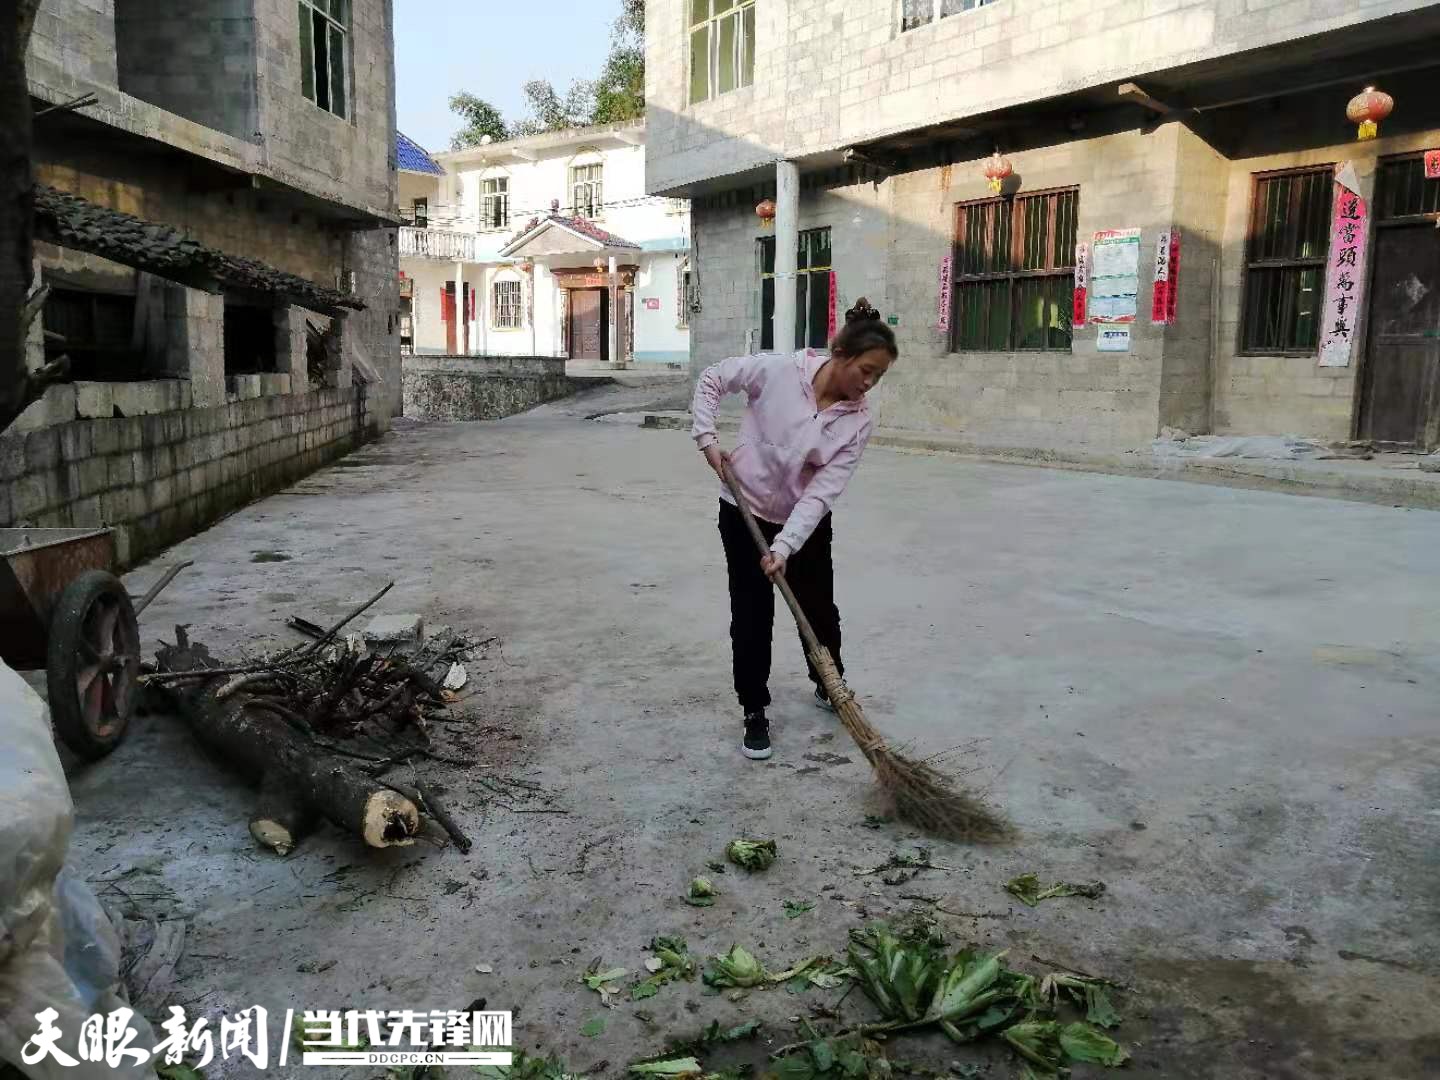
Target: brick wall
162, 477
193, 84
835, 73
197, 60
77, 37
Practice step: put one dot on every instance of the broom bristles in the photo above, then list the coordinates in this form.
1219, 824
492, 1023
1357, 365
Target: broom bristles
916, 791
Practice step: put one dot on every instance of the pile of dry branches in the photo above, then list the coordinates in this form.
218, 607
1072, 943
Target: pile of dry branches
319, 725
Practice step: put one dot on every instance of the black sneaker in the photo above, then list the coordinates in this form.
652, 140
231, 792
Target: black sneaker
822, 700
757, 736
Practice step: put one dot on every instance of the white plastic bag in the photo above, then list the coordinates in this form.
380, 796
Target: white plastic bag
58, 950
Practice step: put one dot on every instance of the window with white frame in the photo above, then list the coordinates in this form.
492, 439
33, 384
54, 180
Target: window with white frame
722, 47
324, 45
587, 189
505, 300
495, 203
917, 13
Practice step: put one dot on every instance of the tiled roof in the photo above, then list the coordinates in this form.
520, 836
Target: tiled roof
410, 156
584, 226
165, 251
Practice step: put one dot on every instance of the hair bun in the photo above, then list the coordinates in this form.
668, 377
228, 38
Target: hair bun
862, 312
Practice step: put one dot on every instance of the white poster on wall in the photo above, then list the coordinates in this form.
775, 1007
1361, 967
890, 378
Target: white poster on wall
1114, 275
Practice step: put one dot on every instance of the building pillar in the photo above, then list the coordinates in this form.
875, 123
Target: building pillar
337, 367
291, 348
195, 343
35, 335
614, 328
462, 312
787, 245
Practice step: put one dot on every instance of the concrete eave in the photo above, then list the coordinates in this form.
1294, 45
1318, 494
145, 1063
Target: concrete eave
530, 147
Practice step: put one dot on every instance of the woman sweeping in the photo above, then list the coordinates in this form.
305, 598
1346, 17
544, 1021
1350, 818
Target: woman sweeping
804, 431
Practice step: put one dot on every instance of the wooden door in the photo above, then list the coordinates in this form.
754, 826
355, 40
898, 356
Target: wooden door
457, 323
1400, 388
587, 325
447, 316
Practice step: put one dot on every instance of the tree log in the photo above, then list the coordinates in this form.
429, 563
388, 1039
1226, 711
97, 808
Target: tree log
281, 818
299, 779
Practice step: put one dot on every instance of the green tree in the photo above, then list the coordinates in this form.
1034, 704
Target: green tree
549, 111
481, 119
620, 89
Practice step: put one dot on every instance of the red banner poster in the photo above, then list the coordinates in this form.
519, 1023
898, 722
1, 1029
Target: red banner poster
830, 331
1345, 281
1432, 164
1167, 266
1082, 283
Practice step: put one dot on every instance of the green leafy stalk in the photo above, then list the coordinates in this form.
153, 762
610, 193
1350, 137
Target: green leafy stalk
752, 854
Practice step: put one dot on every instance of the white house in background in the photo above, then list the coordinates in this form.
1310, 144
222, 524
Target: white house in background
544, 246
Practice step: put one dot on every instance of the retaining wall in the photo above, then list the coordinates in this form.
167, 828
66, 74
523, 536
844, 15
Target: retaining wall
482, 387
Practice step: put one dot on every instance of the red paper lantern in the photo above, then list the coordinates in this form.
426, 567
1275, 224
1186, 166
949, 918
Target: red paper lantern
765, 211
1367, 109
997, 170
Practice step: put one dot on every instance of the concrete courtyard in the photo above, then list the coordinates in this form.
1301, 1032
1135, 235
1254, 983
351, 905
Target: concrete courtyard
1221, 703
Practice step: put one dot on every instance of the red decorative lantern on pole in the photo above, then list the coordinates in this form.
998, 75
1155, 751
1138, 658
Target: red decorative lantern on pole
997, 170
765, 211
1367, 109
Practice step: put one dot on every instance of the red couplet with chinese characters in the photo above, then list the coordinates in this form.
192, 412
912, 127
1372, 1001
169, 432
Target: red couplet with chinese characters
1082, 283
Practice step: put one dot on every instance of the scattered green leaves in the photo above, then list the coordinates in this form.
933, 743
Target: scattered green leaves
592, 1027
752, 854
736, 968
795, 908
605, 982
849, 1056
671, 961
1081, 1042
525, 1066
1027, 889
702, 892
683, 1066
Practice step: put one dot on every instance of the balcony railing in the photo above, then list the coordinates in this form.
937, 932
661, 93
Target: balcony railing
441, 244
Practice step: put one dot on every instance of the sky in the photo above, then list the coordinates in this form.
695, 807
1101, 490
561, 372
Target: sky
490, 47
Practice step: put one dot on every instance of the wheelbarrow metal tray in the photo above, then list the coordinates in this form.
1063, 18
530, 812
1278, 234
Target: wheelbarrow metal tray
35, 567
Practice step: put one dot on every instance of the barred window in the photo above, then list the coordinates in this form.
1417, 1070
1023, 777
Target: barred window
1285, 254
506, 310
1015, 273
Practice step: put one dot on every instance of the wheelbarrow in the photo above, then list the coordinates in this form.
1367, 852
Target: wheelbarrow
63, 609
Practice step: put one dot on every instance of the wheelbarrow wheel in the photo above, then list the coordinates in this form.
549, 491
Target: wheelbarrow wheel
93, 666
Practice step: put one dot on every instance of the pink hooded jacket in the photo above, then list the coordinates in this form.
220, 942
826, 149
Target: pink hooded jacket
792, 460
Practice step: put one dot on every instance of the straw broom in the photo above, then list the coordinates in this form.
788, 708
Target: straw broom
918, 792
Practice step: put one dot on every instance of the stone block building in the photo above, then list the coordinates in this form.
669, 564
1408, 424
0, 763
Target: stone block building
215, 223
1187, 232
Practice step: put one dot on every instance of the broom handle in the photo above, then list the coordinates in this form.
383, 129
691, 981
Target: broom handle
806, 630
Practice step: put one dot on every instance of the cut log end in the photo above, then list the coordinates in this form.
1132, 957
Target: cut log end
390, 820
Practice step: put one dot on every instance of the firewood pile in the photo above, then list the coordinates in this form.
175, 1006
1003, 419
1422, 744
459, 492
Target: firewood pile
320, 725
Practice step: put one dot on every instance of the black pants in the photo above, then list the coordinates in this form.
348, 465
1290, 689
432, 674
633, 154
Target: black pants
811, 575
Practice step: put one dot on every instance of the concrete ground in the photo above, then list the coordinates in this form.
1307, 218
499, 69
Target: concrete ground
1219, 702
